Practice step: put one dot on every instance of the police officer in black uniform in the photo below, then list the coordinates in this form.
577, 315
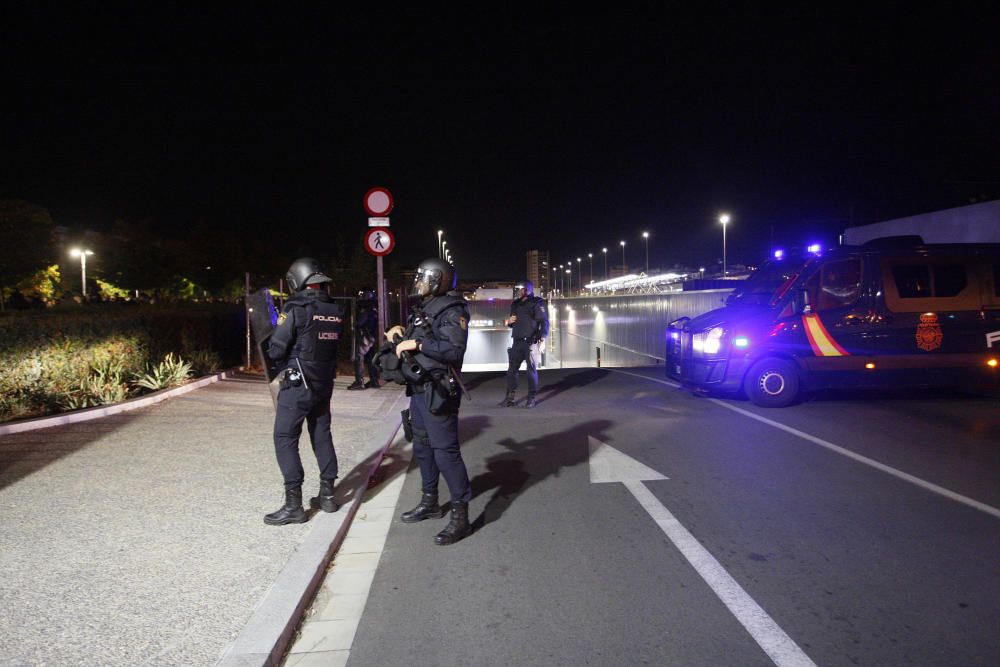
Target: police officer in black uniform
431, 350
529, 325
365, 330
304, 348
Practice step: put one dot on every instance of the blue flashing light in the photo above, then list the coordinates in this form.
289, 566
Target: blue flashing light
814, 248
675, 335
778, 254
741, 342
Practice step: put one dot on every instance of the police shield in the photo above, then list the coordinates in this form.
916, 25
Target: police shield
263, 320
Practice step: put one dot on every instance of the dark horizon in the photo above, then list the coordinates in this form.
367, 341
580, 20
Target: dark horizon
562, 136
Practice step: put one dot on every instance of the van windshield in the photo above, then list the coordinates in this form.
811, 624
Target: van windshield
768, 283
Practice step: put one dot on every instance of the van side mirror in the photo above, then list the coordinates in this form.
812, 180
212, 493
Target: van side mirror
801, 302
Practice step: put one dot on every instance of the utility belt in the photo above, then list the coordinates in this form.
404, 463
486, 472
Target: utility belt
440, 390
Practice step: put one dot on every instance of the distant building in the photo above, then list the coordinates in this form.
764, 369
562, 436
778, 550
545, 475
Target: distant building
539, 270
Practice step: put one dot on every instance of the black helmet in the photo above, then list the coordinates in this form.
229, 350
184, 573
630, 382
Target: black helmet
366, 295
305, 271
434, 277
527, 286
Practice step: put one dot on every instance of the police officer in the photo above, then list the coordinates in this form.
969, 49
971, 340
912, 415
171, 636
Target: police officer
304, 348
365, 329
431, 350
529, 325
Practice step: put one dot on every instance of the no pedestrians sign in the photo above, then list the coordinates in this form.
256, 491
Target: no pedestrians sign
379, 241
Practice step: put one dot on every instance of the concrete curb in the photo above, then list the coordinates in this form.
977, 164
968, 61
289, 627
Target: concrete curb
104, 410
268, 634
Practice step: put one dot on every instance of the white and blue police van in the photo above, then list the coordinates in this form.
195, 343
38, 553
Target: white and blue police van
894, 312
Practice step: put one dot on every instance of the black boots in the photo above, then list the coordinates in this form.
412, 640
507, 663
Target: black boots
291, 512
531, 402
357, 384
325, 499
427, 508
458, 527
507, 401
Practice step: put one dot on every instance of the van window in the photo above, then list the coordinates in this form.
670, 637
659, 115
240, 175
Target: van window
839, 284
917, 284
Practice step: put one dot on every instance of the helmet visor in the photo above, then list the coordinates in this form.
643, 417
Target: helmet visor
426, 282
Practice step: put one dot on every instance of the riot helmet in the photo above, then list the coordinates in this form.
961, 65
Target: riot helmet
524, 289
366, 295
303, 272
434, 277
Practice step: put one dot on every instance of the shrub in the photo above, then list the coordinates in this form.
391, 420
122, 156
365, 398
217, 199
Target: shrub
170, 372
74, 356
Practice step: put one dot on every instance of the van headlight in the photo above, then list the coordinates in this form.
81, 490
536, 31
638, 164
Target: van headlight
708, 342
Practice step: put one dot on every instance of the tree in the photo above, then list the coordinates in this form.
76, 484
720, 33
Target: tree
26, 242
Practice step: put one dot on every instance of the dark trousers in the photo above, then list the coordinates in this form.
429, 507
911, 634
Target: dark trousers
365, 360
520, 351
435, 446
295, 405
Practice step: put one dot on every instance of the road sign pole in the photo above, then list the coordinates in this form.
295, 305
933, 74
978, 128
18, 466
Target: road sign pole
381, 300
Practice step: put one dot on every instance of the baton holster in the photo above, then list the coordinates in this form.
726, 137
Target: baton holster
407, 425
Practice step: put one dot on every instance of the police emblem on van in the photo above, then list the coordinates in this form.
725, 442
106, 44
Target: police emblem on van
992, 337
929, 332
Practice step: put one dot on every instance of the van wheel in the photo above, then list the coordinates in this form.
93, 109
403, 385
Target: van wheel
772, 383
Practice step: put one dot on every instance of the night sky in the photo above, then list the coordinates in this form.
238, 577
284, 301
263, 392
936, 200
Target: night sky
510, 131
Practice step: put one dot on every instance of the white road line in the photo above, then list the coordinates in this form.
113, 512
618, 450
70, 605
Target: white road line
924, 484
778, 645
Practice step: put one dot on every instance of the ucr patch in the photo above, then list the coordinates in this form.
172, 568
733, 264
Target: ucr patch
929, 333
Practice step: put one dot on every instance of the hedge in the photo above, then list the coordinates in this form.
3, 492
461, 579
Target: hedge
61, 359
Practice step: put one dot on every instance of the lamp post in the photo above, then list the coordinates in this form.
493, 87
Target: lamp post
590, 256
623, 257
605, 251
724, 219
82, 254
645, 237
579, 272
569, 272
562, 281
440, 252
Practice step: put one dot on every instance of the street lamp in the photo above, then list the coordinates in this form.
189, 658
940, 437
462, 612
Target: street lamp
645, 237
605, 251
569, 272
562, 282
724, 219
440, 252
579, 272
82, 254
623, 257
590, 255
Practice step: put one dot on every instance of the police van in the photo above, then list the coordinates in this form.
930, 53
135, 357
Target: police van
890, 313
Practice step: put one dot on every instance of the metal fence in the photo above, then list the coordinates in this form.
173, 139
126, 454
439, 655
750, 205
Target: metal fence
624, 330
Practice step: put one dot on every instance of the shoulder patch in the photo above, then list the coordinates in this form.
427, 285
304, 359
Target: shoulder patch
462, 322
281, 319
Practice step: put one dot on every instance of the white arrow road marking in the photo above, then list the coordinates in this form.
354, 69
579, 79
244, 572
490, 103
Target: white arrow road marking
607, 464
924, 484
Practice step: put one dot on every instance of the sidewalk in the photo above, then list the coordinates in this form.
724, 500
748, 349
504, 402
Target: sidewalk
138, 539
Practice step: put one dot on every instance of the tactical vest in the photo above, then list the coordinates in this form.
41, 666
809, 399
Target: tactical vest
317, 341
421, 325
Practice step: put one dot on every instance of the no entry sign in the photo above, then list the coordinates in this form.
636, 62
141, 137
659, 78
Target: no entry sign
379, 241
378, 202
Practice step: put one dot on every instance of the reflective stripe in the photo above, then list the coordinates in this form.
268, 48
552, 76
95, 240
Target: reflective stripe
823, 344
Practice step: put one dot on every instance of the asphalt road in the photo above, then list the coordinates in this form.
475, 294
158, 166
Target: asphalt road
853, 529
